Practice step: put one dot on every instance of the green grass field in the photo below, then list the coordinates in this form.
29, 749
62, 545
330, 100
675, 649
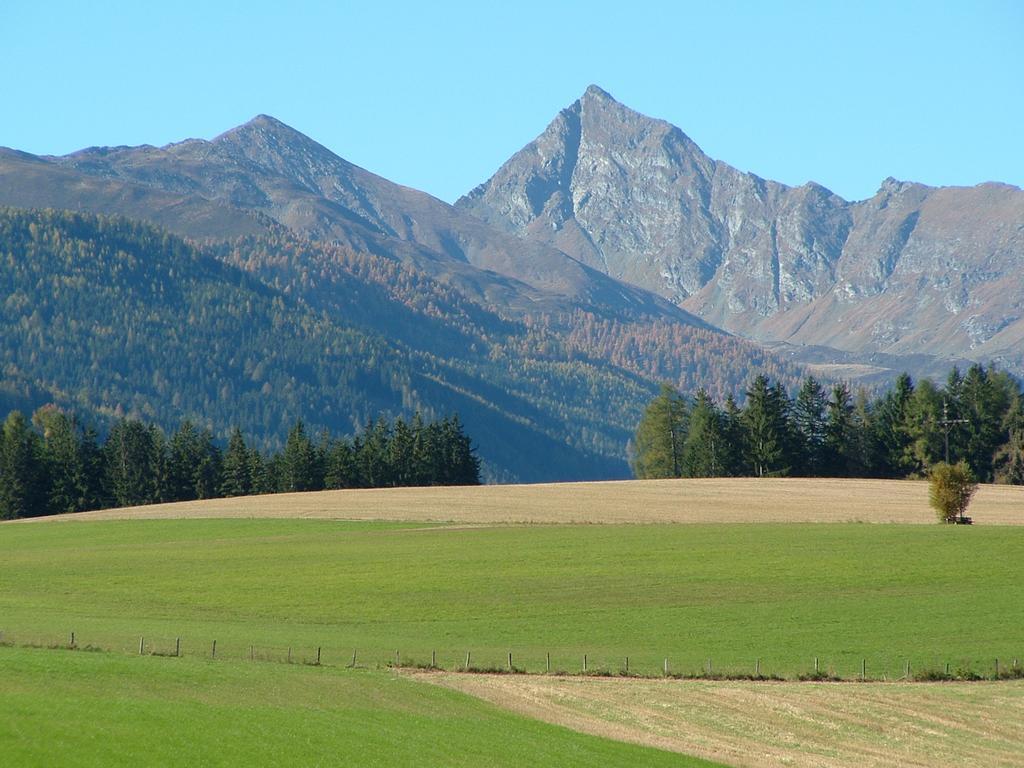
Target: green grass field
100, 709
731, 593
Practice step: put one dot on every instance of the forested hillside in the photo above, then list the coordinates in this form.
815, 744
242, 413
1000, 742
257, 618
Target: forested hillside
112, 318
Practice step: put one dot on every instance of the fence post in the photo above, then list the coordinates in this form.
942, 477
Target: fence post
947, 669
318, 655
252, 654
711, 669
433, 659
213, 651
908, 670
997, 669
547, 661
665, 667
584, 662
467, 660
72, 639
815, 665
289, 654
863, 669
353, 665
627, 665
142, 645
757, 668
177, 647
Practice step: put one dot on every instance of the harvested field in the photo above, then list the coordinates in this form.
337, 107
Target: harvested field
837, 725
733, 500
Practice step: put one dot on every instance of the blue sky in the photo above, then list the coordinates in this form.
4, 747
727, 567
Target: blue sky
437, 95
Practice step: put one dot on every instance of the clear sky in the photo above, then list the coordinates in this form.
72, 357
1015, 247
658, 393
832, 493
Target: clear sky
436, 95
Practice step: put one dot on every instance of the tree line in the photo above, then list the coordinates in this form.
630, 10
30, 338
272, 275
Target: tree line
52, 464
977, 417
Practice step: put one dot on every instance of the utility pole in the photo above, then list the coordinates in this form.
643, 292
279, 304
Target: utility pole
947, 422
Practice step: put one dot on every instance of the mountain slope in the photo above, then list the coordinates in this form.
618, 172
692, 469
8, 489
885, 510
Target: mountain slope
113, 317
265, 170
912, 270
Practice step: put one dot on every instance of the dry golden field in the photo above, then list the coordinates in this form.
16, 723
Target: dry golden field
832, 725
734, 500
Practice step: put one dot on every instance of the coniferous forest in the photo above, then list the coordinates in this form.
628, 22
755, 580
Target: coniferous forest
52, 464
977, 417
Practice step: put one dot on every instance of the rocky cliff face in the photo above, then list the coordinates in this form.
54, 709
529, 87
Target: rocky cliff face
914, 269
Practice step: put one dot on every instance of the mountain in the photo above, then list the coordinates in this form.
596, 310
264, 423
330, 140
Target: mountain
913, 271
548, 360
264, 172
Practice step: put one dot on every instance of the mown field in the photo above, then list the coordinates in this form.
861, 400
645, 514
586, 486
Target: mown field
803, 725
96, 709
717, 500
729, 593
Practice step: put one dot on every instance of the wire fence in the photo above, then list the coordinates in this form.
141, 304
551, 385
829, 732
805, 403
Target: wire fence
533, 661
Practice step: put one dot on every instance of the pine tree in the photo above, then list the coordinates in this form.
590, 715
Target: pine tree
705, 440
735, 447
660, 436
764, 420
298, 462
1009, 458
462, 467
236, 477
865, 454
400, 454
134, 463
809, 421
62, 460
374, 469
341, 468
890, 434
23, 489
840, 441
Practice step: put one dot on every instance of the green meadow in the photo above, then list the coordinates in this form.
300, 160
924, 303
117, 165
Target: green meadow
731, 594
101, 709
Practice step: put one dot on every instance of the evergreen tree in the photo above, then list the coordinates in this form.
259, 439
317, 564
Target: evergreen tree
372, 458
262, 477
660, 436
810, 423
184, 453
764, 420
890, 435
236, 477
94, 474
1009, 458
341, 468
462, 467
865, 455
734, 451
705, 439
298, 462
401, 459
62, 460
840, 441
134, 463
986, 398
23, 489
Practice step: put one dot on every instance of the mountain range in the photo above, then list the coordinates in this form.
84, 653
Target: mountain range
913, 270
545, 306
